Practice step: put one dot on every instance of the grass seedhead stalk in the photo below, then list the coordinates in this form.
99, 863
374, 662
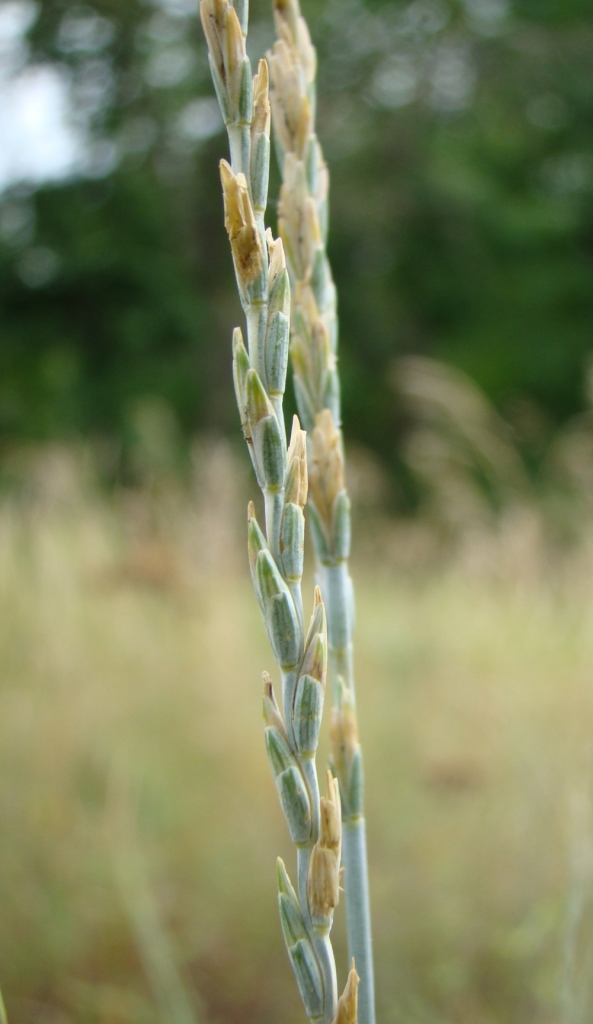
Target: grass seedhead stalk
276, 553
314, 339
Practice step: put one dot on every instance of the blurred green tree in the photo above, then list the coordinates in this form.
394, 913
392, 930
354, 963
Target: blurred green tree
460, 135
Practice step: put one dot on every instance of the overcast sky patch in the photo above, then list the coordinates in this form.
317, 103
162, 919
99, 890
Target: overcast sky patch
37, 140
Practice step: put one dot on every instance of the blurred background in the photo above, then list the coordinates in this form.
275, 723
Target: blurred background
138, 819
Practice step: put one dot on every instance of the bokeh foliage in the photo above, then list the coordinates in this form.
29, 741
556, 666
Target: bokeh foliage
461, 147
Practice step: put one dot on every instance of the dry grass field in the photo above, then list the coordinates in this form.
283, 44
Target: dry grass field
139, 822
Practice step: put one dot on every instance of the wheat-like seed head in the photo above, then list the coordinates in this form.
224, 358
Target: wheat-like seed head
302, 226
286, 91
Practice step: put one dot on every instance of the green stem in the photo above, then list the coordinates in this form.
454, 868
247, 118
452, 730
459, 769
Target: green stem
358, 916
240, 146
336, 588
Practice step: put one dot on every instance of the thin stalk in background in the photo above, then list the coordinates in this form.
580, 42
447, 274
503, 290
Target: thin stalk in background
276, 554
303, 220
133, 877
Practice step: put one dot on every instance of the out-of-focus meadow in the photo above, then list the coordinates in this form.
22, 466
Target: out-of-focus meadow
138, 820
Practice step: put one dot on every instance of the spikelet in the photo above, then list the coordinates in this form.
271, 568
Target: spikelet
324, 868
348, 1002
239, 220
229, 63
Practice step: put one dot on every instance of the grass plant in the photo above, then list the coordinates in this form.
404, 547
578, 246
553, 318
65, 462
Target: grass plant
303, 227
276, 555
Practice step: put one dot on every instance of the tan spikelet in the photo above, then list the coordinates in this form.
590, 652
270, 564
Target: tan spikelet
297, 486
214, 14
272, 716
225, 39
276, 255
347, 1012
331, 819
261, 100
326, 473
324, 867
298, 225
285, 94
234, 43
344, 736
292, 28
239, 220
